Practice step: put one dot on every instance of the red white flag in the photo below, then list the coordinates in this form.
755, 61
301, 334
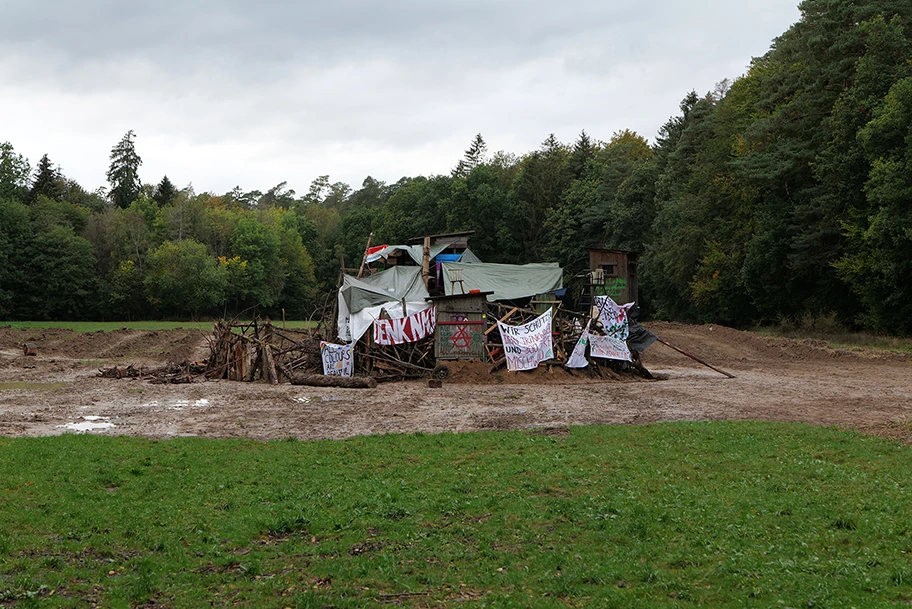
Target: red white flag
373, 253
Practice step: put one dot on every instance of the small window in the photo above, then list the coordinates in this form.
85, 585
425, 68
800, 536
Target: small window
608, 268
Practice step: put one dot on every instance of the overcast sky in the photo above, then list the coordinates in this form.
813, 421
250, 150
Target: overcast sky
226, 92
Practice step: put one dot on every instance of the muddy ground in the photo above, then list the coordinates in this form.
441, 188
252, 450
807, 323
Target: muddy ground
776, 380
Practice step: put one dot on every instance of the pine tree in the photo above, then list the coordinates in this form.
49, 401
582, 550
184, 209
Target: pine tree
47, 181
164, 192
123, 173
474, 156
583, 150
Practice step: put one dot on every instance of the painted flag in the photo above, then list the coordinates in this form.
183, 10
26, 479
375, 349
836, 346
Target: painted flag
373, 253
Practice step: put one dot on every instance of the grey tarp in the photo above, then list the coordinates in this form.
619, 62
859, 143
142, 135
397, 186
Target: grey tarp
640, 338
416, 252
394, 284
507, 281
469, 256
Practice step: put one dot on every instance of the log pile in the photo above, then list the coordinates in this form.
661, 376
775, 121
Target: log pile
257, 350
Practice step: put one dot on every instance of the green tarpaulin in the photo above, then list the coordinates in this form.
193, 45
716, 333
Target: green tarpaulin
394, 284
507, 281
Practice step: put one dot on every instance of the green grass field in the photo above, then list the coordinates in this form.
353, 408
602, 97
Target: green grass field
107, 326
669, 515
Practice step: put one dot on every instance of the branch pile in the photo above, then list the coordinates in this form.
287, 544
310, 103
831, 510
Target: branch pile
171, 373
257, 350
398, 362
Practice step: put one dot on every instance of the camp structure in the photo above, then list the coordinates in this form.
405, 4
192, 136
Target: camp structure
430, 302
394, 293
435, 301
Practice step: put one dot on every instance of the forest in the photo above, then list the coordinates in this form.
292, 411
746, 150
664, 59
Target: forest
784, 193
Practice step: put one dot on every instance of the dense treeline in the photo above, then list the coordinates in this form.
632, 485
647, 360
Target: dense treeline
783, 194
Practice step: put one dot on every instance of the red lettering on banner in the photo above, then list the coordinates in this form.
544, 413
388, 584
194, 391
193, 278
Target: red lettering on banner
406, 329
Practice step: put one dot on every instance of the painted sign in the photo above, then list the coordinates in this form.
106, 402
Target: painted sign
405, 330
528, 345
609, 348
578, 357
613, 317
337, 359
614, 288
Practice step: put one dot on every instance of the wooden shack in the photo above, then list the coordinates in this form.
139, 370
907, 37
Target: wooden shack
613, 273
461, 326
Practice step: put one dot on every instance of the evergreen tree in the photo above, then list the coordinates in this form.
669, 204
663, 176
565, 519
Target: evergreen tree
583, 150
164, 192
47, 181
123, 174
474, 156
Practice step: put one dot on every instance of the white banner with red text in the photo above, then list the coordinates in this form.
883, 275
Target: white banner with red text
528, 345
608, 347
409, 329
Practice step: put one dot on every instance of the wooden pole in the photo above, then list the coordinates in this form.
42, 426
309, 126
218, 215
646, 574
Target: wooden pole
696, 359
364, 259
426, 261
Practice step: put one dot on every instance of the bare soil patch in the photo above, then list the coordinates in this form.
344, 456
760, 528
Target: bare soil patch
776, 380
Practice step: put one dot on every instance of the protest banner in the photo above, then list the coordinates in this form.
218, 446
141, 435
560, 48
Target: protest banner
609, 347
613, 317
528, 345
406, 329
578, 357
338, 360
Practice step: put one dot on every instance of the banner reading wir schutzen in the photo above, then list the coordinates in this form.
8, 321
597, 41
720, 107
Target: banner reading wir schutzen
528, 345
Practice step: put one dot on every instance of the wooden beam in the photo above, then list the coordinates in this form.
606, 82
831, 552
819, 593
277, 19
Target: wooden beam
426, 261
364, 258
502, 319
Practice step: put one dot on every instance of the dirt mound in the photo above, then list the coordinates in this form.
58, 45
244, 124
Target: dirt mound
725, 347
118, 346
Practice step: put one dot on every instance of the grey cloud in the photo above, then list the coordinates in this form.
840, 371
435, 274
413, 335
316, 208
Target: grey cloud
356, 86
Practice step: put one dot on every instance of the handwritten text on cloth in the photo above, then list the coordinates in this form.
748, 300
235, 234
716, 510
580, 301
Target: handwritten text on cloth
608, 347
337, 359
578, 357
613, 317
528, 345
405, 330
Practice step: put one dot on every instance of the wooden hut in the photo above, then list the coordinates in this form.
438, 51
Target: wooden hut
613, 273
